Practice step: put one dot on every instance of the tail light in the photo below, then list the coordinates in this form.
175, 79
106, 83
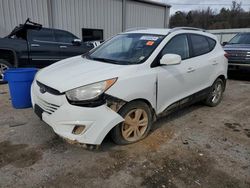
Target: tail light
226, 55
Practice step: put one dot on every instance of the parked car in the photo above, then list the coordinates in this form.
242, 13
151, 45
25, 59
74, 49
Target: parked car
238, 50
31, 45
129, 81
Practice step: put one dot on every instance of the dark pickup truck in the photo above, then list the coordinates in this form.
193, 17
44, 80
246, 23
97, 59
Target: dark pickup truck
238, 51
31, 45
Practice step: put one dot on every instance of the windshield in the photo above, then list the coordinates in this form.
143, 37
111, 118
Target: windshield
243, 38
126, 49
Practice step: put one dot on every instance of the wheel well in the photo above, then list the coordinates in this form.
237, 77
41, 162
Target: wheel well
8, 56
223, 78
148, 104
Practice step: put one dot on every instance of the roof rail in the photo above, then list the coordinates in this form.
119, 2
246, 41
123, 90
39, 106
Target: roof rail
136, 28
187, 28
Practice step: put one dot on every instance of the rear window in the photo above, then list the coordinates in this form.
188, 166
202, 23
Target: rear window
200, 45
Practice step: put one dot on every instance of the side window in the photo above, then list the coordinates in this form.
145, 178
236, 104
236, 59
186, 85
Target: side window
212, 43
64, 37
43, 35
177, 45
200, 45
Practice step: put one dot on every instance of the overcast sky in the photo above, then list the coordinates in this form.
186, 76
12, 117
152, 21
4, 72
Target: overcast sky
186, 5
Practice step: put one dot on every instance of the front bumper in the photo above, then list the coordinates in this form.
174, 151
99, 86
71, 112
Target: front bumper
239, 64
63, 117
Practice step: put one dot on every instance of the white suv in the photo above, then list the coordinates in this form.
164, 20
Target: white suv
129, 81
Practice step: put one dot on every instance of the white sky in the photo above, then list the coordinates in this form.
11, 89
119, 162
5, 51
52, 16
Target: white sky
186, 5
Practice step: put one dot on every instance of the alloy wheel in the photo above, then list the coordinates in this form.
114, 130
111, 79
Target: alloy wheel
3, 68
217, 92
135, 125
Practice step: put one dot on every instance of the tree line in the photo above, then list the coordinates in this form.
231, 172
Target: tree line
226, 18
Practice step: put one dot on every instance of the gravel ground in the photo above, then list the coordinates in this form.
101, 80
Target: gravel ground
198, 146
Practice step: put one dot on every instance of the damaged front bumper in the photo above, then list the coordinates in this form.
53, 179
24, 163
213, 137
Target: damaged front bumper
64, 118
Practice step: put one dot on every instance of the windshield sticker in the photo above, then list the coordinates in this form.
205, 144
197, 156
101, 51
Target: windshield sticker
150, 43
146, 37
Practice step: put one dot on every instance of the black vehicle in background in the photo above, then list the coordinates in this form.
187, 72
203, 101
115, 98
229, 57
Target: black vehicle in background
238, 51
31, 45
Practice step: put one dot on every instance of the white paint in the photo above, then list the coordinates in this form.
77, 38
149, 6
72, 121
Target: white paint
138, 81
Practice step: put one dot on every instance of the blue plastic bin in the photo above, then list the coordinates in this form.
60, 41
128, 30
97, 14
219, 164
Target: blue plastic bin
20, 80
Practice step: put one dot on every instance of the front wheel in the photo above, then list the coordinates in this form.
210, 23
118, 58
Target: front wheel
4, 65
136, 125
216, 93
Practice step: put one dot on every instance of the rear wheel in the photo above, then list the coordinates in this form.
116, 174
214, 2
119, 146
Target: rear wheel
136, 125
215, 96
4, 65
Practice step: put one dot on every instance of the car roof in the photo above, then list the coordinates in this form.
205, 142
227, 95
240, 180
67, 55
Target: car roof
166, 31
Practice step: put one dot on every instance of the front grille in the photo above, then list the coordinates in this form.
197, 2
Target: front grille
48, 89
49, 108
238, 53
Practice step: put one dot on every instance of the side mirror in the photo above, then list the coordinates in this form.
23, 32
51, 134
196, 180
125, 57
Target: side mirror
170, 59
224, 43
77, 42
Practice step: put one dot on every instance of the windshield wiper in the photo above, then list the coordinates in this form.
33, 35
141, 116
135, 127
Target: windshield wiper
117, 62
105, 60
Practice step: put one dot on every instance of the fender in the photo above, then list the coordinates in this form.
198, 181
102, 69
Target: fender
15, 64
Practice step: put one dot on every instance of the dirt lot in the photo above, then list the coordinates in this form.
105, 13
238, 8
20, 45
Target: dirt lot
196, 147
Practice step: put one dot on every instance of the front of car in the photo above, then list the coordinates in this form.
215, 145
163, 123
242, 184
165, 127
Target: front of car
238, 51
74, 113
75, 96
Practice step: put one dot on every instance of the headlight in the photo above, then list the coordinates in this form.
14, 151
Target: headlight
90, 91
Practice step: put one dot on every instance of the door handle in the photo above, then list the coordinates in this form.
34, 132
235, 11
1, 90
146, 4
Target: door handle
190, 69
63, 46
215, 62
35, 45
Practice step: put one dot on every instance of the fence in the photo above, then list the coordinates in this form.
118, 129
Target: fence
224, 35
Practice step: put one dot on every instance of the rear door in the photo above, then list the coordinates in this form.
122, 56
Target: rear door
67, 47
204, 62
43, 49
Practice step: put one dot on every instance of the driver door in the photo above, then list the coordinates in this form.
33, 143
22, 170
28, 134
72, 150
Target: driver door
175, 82
43, 50
67, 48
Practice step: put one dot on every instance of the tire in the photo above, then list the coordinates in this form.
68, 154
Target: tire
4, 65
135, 132
215, 96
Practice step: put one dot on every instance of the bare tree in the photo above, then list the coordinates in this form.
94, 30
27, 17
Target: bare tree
235, 17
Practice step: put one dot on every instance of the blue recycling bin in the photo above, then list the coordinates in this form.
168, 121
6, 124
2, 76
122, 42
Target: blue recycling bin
20, 80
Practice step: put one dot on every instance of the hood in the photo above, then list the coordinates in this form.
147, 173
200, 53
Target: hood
245, 47
76, 72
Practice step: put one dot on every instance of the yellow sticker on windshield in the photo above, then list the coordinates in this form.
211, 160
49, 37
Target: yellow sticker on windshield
150, 43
